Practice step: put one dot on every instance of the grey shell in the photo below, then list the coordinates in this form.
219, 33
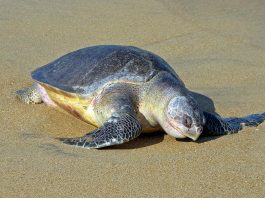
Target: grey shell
85, 70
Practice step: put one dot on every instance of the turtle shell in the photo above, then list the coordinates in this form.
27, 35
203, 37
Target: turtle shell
83, 71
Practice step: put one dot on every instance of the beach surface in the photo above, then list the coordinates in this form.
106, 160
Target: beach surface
216, 47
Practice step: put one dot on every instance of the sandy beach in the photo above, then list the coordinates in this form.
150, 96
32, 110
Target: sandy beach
216, 47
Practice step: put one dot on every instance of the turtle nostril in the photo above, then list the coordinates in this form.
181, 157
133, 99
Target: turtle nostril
199, 129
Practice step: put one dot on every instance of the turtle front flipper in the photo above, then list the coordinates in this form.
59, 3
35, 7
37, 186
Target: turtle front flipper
30, 95
118, 129
215, 125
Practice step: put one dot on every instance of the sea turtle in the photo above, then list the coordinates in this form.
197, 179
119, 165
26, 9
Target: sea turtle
124, 90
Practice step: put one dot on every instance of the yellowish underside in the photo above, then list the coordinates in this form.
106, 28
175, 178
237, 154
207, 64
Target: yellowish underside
80, 108
71, 103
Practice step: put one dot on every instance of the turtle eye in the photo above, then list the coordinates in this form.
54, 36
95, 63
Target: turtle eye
187, 121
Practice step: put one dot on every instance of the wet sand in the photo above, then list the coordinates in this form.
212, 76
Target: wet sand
217, 48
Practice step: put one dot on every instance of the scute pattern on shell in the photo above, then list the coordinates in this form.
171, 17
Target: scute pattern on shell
85, 70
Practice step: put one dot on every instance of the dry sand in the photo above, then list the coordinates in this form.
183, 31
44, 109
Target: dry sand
218, 49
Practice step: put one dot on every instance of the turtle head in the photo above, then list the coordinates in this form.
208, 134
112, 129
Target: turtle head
183, 118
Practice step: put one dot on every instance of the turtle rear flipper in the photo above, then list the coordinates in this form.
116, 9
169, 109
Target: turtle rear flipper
30, 95
215, 125
117, 130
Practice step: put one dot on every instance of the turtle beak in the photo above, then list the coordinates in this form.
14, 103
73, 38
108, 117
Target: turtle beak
194, 133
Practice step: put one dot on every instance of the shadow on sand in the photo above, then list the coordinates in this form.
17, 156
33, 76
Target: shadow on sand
144, 140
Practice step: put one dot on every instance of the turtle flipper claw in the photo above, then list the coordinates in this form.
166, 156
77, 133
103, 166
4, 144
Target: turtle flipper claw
84, 141
115, 131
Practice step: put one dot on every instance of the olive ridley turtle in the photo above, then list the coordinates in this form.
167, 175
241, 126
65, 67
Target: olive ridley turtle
124, 91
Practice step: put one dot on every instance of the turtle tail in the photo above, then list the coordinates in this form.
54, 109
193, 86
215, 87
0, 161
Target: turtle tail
215, 125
